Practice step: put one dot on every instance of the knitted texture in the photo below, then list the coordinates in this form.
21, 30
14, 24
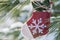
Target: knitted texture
38, 24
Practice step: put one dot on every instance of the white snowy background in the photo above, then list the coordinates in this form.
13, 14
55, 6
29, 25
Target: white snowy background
9, 24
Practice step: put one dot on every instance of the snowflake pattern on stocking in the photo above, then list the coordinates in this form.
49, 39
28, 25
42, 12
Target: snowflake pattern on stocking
37, 26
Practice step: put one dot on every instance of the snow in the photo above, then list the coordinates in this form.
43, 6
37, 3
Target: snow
57, 3
19, 24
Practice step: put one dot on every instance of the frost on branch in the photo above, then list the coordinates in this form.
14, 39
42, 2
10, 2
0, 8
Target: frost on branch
37, 26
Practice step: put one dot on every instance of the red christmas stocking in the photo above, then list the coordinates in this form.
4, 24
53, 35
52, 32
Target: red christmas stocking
37, 25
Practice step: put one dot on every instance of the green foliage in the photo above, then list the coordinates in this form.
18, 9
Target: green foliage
13, 9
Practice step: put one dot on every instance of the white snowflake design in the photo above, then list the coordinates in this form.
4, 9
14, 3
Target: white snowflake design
37, 26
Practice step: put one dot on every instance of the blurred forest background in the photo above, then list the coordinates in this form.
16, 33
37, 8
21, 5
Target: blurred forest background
14, 13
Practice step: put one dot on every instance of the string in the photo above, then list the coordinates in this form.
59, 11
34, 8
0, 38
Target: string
42, 6
38, 3
50, 5
35, 4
